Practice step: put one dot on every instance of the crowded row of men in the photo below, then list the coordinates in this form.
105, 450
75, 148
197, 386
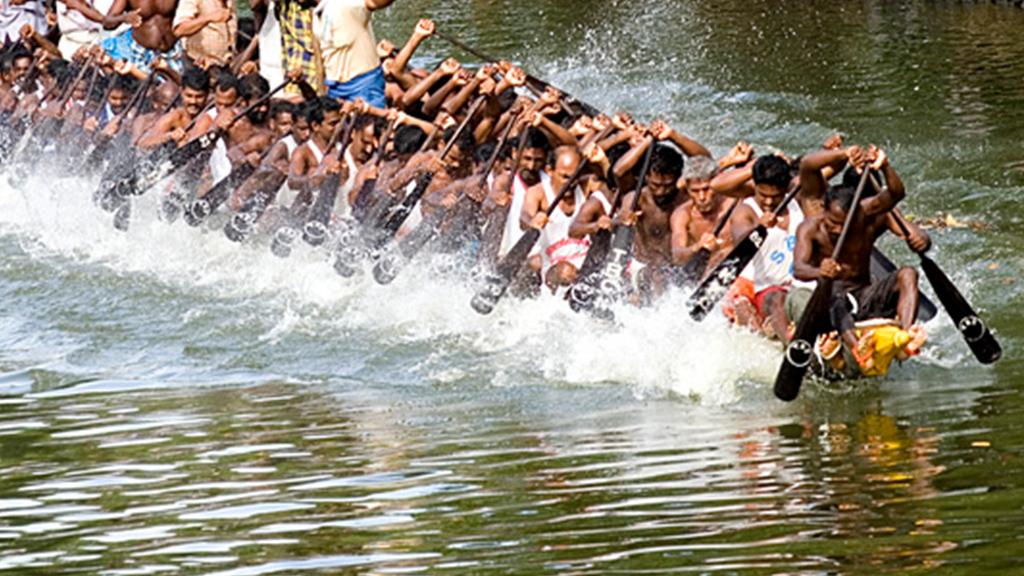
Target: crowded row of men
498, 149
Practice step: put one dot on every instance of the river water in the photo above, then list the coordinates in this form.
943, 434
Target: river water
173, 403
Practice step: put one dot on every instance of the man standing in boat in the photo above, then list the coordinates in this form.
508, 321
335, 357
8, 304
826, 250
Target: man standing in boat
351, 63
151, 35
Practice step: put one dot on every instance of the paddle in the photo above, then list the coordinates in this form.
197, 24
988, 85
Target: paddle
973, 329
314, 232
392, 220
364, 197
138, 184
241, 224
497, 283
717, 283
388, 266
815, 319
581, 294
620, 248
538, 85
695, 267
494, 227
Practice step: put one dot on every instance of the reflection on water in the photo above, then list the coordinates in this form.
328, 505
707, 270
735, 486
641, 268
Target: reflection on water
288, 478
170, 402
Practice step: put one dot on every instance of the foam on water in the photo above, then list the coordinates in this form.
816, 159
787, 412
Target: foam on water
424, 313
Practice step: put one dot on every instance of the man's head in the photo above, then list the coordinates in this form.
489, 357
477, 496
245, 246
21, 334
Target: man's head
363, 142
567, 160
195, 88
838, 201
407, 140
663, 174
251, 88
227, 91
163, 95
535, 155
771, 180
21, 63
282, 116
324, 118
459, 161
120, 92
697, 176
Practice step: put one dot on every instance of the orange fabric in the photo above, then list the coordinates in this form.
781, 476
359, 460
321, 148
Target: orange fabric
742, 288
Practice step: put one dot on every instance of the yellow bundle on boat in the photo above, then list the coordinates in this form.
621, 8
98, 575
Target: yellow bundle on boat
888, 342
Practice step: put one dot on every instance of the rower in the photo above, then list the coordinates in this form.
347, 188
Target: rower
758, 298
160, 100
855, 295
561, 255
315, 159
531, 173
650, 268
171, 126
693, 222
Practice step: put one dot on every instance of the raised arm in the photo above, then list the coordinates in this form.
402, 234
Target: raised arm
891, 193
424, 29
663, 131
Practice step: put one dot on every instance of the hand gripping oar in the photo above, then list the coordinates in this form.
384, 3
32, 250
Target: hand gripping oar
698, 262
717, 283
496, 284
539, 85
815, 320
587, 285
392, 221
620, 248
286, 234
494, 227
314, 232
973, 329
196, 146
364, 197
198, 211
390, 264
200, 146
241, 224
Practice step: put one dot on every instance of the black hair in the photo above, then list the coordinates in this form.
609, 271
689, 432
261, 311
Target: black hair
281, 107
536, 139
666, 160
842, 194
315, 114
252, 87
126, 84
485, 151
851, 178
364, 120
196, 79
227, 81
772, 170
506, 99
466, 143
408, 139
58, 68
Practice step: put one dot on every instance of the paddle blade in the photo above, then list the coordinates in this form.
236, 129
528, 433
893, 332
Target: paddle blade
717, 284
496, 284
695, 267
800, 351
973, 329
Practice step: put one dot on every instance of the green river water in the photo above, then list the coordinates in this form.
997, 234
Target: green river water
174, 403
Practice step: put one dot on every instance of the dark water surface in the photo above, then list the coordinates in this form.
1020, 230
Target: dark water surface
173, 403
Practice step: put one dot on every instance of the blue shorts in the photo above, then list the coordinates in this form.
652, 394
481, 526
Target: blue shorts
369, 86
124, 47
